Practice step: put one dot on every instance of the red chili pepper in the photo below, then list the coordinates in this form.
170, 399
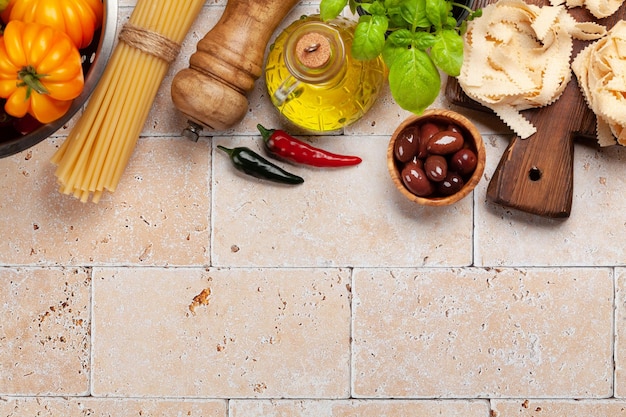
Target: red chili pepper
285, 146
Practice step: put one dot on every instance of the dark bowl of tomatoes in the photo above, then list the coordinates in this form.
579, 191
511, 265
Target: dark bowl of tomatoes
19, 134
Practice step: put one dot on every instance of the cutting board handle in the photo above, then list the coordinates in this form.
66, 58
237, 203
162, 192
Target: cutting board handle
536, 185
536, 174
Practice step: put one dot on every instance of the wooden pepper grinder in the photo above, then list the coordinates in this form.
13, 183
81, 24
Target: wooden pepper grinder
227, 62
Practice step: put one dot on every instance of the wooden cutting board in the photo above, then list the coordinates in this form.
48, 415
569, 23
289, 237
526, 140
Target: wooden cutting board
535, 175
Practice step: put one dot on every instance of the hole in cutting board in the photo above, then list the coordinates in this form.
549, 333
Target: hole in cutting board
534, 174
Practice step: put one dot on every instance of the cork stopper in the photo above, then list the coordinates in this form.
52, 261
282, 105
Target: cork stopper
313, 50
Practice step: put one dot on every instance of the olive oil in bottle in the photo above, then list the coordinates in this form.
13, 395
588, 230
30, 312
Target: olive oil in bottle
313, 80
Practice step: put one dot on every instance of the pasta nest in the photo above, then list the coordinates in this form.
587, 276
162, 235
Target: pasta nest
598, 8
601, 72
517, 56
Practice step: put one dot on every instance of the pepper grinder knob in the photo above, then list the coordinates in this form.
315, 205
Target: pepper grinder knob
228, 60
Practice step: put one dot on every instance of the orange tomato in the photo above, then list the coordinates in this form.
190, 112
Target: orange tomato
79, 19
40, 71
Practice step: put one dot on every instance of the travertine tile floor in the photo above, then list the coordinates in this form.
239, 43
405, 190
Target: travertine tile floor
194, 291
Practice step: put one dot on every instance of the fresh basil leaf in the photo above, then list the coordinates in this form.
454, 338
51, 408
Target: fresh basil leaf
396, 21
392, 4
401, 37
414, 80
423, 40
437, 12
414, 13
330, 9
451, 23
475, 14
391, 51
353, 5
397, 43
365, 7
447, 52
463, 27
377, 9
369, 37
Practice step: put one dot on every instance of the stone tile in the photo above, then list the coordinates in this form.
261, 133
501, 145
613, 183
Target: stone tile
473, 333
344, 217
226, 333
620, 333
44, 331
146, 221
120, 407
587, 238
361, 408
384, 116
556, 408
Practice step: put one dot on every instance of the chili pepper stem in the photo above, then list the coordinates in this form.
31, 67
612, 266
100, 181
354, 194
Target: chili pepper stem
265, 133
225, 149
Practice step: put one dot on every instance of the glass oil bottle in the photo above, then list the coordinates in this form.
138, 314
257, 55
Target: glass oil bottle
313, 80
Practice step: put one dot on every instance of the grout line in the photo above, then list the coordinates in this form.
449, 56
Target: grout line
91, 331
211, 175
346, 267
614, 341
474, 238
351, 340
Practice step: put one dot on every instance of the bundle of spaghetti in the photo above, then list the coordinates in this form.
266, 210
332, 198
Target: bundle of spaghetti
97, 150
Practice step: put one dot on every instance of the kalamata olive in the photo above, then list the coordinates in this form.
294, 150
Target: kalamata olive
436, 167
415, 181
454, 127
427, 131
417, 162
445, 142
407, 144
451, 184
463, 161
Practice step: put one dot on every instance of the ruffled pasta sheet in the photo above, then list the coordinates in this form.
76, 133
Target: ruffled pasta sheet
601, 72
598, 8
517, 57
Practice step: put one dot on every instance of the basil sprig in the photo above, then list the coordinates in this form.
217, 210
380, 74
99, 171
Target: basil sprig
416, 38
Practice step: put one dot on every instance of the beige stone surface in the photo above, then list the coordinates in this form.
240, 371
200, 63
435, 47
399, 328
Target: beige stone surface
555, 408
221, 332
351, 216
45, 340
361, 408
591, 236
119, 407
196, 291
158, 215
483, 333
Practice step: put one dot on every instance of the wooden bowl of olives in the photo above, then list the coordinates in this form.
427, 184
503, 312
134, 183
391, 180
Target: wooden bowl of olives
436, 158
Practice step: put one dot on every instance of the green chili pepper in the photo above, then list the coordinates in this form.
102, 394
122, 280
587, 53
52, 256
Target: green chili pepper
251, 163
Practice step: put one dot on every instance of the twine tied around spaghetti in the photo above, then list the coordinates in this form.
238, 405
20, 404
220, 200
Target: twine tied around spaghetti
150, 42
